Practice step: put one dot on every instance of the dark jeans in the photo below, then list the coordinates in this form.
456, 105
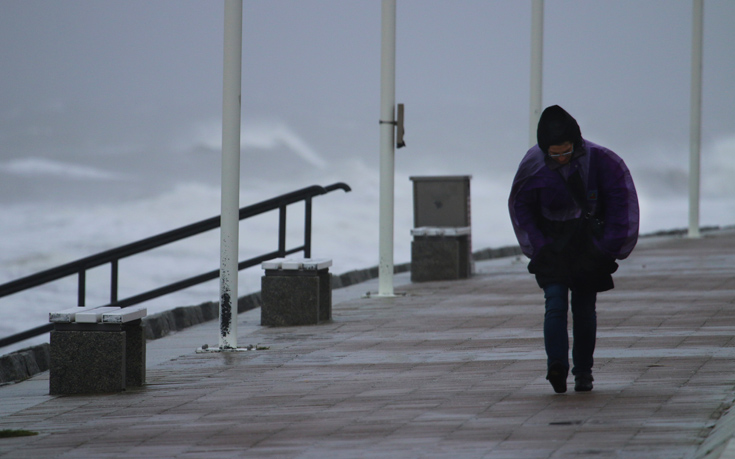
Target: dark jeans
584, 327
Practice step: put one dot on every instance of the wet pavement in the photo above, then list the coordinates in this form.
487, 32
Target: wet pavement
445, 369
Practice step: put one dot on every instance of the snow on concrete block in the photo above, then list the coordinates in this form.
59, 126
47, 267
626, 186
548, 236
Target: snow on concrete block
94, 315
315, 264
66, 316
273, 264
124, 316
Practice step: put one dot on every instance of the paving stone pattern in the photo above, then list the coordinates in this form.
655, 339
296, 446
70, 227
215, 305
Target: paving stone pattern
450, 369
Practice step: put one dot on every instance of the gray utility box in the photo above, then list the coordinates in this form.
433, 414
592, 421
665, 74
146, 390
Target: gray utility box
442, 237
442, 201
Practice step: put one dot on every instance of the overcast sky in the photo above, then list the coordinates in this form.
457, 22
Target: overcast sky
112, 89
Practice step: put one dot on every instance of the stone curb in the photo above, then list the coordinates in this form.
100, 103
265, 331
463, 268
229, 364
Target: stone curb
159, 325
24, 363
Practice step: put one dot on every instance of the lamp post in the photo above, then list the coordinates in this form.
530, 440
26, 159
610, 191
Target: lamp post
387, 146
229, 232
695, 125
537, 60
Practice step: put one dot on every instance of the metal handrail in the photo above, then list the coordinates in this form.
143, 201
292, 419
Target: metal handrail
79, 267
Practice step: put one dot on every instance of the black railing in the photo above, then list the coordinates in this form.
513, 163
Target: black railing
113, 256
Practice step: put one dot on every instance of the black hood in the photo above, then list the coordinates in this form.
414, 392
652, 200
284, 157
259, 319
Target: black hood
555, 127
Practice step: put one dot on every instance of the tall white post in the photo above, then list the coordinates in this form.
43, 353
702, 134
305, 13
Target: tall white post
695, 127
537, 61
229, 242
387, 145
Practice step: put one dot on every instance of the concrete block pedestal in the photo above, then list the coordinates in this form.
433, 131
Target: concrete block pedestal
296, 292
96, 357
440, 254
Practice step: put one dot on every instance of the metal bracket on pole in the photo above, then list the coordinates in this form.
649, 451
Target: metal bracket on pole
398, 123
400, 143
206, 349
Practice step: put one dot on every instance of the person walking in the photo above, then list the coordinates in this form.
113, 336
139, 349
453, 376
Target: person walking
574, 210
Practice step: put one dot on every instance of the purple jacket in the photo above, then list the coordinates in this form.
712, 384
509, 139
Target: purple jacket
539, 191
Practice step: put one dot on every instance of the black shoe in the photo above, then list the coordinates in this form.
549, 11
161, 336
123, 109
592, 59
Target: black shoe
557, 376
583, 382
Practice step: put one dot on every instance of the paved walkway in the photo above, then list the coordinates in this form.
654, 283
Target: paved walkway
451, 369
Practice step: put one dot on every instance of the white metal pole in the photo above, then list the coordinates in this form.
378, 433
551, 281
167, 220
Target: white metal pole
229, 242
387, 145
537, 60
695, 127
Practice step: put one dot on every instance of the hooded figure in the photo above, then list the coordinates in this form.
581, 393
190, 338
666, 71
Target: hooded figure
574, 210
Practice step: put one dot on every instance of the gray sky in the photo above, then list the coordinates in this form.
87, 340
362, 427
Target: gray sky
114, 89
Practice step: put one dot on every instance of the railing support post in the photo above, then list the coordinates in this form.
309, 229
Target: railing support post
282, 231
82, 287
113, 281
307, 228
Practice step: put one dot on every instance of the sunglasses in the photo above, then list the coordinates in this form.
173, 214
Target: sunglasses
562, 154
